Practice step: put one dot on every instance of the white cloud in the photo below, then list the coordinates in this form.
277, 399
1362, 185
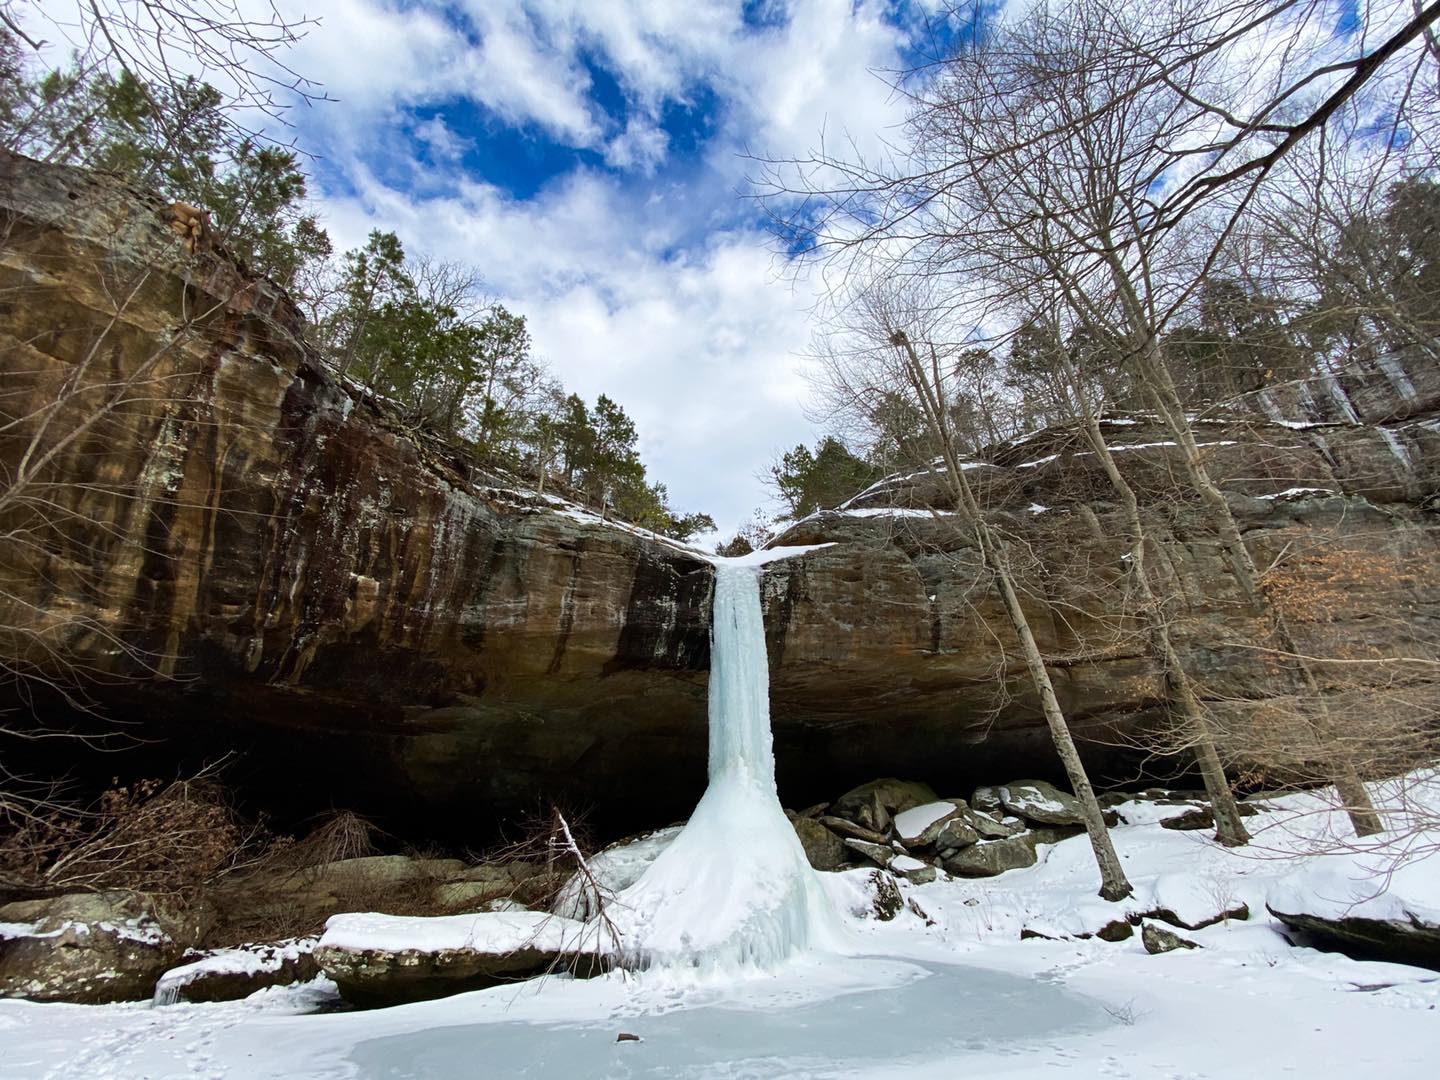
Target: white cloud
650, 284
443, 143
699, 345
641, 146
371, 56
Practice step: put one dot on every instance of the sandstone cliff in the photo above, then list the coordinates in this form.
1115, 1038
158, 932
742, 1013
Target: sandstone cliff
252, 555
257, 553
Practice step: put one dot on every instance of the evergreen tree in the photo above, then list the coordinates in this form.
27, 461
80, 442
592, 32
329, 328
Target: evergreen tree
807, 481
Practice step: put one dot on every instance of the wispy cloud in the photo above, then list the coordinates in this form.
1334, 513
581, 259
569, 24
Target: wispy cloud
589, 157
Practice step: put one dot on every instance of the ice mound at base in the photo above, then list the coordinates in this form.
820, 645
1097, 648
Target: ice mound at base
734, 888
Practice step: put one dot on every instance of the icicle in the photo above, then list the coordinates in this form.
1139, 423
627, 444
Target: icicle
1339, 395
1268, 406
1398, 448
1397, 377
167, 992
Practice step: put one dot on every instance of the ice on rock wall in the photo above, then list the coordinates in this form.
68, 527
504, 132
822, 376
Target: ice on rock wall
734, 888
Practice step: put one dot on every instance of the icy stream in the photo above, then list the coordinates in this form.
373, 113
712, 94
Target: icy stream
734, 888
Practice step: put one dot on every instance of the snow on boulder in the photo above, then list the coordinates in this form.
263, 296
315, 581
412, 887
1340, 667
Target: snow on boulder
989, 858
913, 870
231, 974
1038, 801
880, 854
389, 959
1190, 902
873, 805
1381, 903
918, 826
986, 800
958, 832
90, 948
991, 828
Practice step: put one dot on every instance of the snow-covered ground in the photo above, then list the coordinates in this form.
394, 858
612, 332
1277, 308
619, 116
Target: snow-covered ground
964, 997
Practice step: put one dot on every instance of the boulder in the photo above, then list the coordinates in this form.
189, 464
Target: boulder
890, 796
1157, 940
955, 833
823, 849
1201, 817
990, 829
1237, 910
1381, 903
914, 871
919, 826
91, 948
849, 828
987, 858
887, 902
1398, 941
459, 896
1116, 930
986, 800
880, 854
378, 960
232, 974
1038, 801
304, 898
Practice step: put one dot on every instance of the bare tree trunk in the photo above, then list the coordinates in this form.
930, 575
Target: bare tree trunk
1155, 377
1364, 818
1362, 813
1229, 830
1113, 883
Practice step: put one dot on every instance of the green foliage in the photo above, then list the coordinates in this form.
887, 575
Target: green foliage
1237, 343
173, 139
575, 436
458, 366
755, 533
807, 481
257, 204
901, 431
1380, 289
689, 526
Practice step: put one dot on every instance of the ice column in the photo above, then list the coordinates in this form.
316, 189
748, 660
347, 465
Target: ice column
734, 888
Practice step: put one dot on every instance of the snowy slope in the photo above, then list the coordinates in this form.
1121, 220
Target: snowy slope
964, 997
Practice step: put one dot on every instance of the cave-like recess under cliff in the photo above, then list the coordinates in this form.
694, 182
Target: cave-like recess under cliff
268, 562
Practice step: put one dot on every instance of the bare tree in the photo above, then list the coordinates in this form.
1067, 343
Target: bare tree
885, 346
1075, 392
1039, 160
161, 43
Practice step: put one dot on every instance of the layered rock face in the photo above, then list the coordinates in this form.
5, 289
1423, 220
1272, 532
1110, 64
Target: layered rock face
251, 555
892, 646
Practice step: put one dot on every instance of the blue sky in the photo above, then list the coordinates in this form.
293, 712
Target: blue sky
589, 156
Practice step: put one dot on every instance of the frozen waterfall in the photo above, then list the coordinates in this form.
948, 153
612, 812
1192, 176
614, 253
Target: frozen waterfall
734, 888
